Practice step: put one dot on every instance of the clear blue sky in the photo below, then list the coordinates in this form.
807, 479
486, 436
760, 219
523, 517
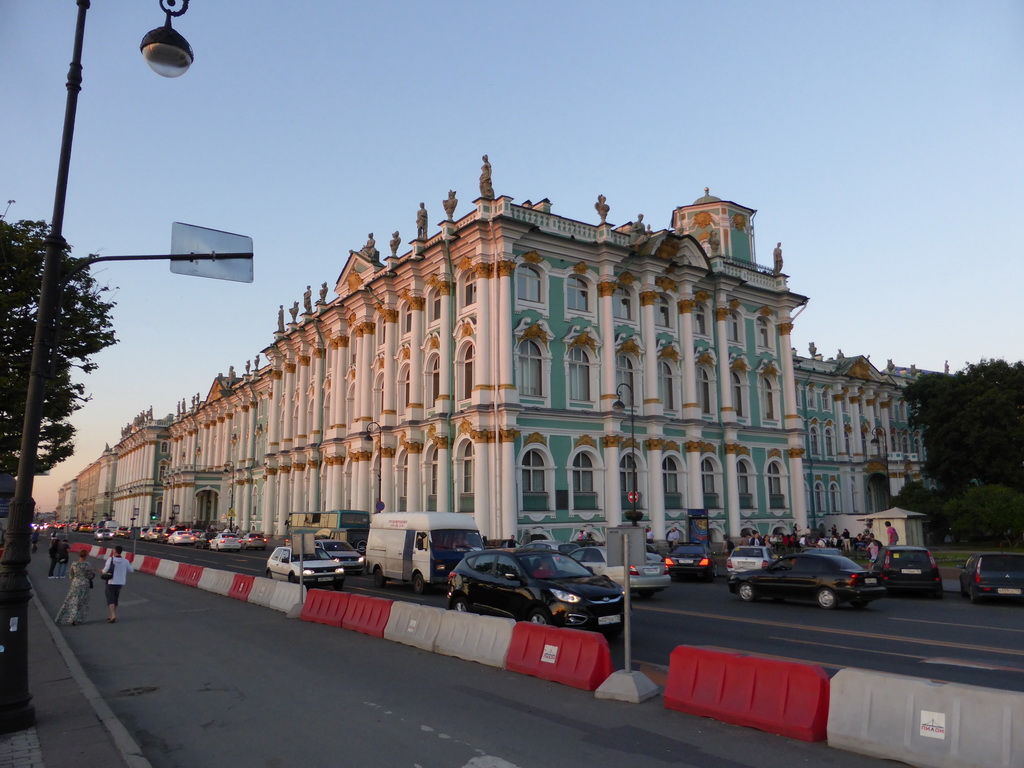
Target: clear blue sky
881, 142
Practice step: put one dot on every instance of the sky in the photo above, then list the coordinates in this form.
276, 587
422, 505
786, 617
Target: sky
880, 143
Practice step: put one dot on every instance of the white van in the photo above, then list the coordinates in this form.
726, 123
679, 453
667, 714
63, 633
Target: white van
419, 547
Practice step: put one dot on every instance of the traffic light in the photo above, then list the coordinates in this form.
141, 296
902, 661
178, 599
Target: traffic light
152, 516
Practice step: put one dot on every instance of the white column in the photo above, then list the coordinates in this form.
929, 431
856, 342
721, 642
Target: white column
483, 384
726, 407
607, 326
655, 494
390, 410
793, 420
443, 468
612, 491
507, 479
481, 486
694, 486
316, 436
414, 483
444, 400
416, 306
284, 505
732, 492
507, 391
652, 403
302, 428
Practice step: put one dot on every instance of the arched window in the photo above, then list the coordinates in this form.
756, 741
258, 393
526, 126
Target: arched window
704, 391
577, 294
666, 386
734, 327
435, 306
708, 484
531, 366
469, 291
769, 399
744, 475
533, 472
579, 374
776, 498
737, 393
814, 441
433, 378
467, 373
528, 283
819, 497
830, 445
670, 472
582, 474
835, 498
627, 473
700, 320
763, 334
622, 304
624, 374
403, 386
465, 478
663, 313
403, 481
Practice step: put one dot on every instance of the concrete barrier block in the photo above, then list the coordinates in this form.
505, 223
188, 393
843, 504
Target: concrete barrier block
926, 723
262, 591
286, 596
484, 639
415, 625
218, 582
167, 569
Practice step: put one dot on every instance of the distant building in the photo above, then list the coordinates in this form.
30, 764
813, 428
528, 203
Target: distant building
478, 370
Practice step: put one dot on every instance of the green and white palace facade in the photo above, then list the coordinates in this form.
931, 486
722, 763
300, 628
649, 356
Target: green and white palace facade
479, 371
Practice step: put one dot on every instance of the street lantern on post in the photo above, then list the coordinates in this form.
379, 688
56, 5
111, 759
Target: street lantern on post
633, 515
374, 428
131, 531
229, 470
16, 710
881, 443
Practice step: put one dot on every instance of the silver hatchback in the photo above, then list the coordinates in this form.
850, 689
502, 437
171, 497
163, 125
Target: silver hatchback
750, 559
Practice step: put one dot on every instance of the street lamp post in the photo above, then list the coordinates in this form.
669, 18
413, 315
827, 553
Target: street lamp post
229, 470
131, 531
880, 441
633, 515
374, 428
16, 710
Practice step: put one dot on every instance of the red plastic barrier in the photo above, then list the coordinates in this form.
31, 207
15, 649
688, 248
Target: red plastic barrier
188, 574
568, 656
150, 565
129, 556
323, 607
366, 614
241, 587
79, 545
781, 697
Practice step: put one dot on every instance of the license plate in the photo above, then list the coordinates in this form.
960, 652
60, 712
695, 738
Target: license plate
609, 619
686, 562
325, 578
1007, 591
654, 571
911, 570
870, 581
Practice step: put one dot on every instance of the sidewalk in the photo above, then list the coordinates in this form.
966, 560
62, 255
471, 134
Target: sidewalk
74, 725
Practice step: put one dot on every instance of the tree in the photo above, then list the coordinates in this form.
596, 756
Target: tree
84, 328
988, 511
914, 496
973, 424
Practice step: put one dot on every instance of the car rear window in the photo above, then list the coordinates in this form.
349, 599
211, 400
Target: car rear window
688, 549
913, 558
1002, 563
746, 552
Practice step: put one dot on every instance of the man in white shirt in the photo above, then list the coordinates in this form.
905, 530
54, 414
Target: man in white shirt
673, 536
118, 567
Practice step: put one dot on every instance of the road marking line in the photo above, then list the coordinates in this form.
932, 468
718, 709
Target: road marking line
853, 648
954, 624
848, 632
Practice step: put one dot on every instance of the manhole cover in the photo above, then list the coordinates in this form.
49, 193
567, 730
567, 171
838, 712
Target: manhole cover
137, 691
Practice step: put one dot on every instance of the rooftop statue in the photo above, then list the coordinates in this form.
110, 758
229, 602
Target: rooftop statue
421, 223
307, 300
602, 208
777, 256
396, 241
323, 293
280, 318
486, 187
294, 312
450, 203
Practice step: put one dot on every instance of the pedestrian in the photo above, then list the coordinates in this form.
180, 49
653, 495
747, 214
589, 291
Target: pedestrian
76, 605
118, 569
54, 544
673, 536
873, 547
35, 539
890, 531
730, 545
63, 556
650, 535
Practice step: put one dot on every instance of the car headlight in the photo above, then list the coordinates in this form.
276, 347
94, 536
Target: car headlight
565, 597
361, 559
307, 572
339, 570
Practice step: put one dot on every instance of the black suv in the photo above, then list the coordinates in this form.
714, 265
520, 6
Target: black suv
691, 558
536, 585
907, 568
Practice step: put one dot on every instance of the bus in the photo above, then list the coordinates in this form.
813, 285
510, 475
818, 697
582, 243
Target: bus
349, 525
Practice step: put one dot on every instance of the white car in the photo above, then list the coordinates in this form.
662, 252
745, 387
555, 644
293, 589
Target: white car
182, 537
103, 534
750, 559
224, 541
644, 579
319, 569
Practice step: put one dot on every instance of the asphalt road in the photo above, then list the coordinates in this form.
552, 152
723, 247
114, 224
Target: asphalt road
949, 640
201, 680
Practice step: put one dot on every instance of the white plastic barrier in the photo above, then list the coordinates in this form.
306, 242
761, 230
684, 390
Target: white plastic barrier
286, 596
414, 624
218, 582
138, 561
167, 569
925, 723
262, 591
484, 639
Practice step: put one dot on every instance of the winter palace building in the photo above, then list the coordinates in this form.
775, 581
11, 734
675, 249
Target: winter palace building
540, 373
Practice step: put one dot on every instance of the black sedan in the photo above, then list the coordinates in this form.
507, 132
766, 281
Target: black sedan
536, 585
689, 558
993, 574
827, 579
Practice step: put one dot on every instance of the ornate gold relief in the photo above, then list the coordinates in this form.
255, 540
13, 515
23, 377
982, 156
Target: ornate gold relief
467, 329
686, 306
581, 268
669, 353
611, 441
626, 278
629, 347
739, 222
774, 453
390, 315
508, 435
654, 444
586, 440
734, 304
795, 453
506, 268
739, 364
584, 339
485, 270
532, 257
702, 219
705, 358
702, 296
606, 289
465, 427
785, 329
354, 283
433, 343
535, 437
765, 312
647, 298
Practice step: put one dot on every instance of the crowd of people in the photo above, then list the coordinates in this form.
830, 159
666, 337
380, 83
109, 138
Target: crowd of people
845, 542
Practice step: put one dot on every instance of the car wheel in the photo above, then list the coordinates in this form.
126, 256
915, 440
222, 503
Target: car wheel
645, 594
460, 604
540, 616
859, 603
963, 592
938, 593
746, 592
419, 584
612, 633
827, 598
293, 578
378, 577
975, 596
270, 574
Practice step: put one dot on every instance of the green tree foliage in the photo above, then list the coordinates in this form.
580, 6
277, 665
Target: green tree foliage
84, 329
914, 496
973, 423
987, 511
